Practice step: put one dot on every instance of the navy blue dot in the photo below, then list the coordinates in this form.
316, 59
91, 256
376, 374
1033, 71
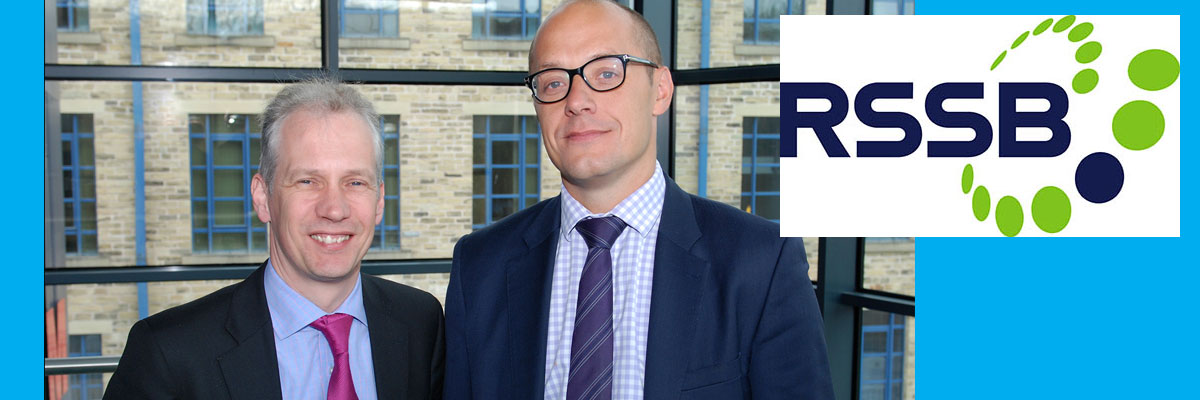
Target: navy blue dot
1099, 177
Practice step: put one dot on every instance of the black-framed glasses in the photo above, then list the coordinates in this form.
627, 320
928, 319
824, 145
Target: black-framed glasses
602, 74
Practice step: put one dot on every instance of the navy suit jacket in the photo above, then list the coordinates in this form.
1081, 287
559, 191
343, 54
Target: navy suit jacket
732, 312
222, 346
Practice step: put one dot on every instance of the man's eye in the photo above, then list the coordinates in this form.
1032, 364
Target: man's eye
305, 181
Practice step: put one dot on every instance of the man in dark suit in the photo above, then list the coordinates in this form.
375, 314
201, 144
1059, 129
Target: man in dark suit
624, 286
307, 324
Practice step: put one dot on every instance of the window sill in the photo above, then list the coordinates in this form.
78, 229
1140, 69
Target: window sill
233, 41
496, 45
232, 258
78, 38
370, 43
744, 49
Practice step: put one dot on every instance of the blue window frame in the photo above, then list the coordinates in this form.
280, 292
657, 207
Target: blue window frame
760, 166
225, 17
369, 18
505, 19
79, 183
881, 369
72, 15
85, 386
224, 156
892, 7
761, 19
506, 166
387, 233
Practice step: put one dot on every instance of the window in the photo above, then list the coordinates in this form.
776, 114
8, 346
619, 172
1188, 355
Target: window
79, 183
506, 166
225, 17
760, 166
505, 19
370, 18
85, 386
761, 19
387, 233
881, 373
892, 7
72, 15
224, 156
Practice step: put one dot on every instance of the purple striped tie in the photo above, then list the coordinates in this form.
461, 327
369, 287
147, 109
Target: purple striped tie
592, 342
336, 328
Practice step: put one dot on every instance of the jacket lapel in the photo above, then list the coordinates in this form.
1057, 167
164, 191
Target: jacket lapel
678, 276
389, 344
528, 278
251, 369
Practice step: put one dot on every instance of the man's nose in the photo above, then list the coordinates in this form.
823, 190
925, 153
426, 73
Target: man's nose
579, 99
333, 204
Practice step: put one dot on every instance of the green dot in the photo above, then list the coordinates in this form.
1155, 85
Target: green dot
1080, 32
1088, 52
1153, 69
1064, 23
1009, 216
967, 178
1138, 125
1085, 81
1020, 39
998, 59
981, 203
1051, 209
1043, 26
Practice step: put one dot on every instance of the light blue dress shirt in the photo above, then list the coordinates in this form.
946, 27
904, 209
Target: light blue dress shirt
305, 360
633, 274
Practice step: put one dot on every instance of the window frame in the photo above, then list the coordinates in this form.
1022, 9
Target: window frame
70, 7
81, 383
384, 229
521, 138
754, 136
756, 21
76, 200
250, 224
210, 26
380, 13
892, 350
481, 10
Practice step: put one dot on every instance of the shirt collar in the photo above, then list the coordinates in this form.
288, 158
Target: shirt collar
291, 312
640, 210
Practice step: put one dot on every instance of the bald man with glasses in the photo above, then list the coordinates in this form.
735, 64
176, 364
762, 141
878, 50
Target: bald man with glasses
624, 286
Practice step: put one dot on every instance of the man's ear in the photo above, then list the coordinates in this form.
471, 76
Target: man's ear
664, 91
258, 190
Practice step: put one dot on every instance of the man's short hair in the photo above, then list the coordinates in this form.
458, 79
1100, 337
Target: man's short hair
318, 95
641, 29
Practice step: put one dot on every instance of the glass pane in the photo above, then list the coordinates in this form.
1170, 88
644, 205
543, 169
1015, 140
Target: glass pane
768, 32
196, 123
479, 151
200, 242
87, 217
68, 215
391, 151
85, 124
227, 123
229, 213
255, 150
872, 391
478, 211
768, 150
393, 239
502, 208
67, 160
771, 8
228, 182
72, 244
504, 152
529, 201
531, 181
889, 264
87, 155
391, 212
260, 240
229, 241
503, 124
875, 342
873, 368
68, 184
747, 180
64, 18
479, 181
768, 179
767, 206
200, 214
872, 317
390, 25
198, 151
391, 182
361, 24
506, 27
504, 181
92, 343
227, 152
479, 124
199, 183
88, 244
531, 151
87, 184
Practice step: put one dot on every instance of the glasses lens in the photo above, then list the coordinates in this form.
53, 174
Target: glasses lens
551, 85
605, 73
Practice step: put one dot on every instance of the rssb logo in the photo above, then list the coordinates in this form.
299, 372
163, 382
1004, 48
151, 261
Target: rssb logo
1014, 124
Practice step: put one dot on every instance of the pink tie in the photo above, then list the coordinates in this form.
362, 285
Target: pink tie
336, 328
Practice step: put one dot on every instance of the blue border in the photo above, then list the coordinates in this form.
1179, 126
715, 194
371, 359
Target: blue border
1063, 318
26, 149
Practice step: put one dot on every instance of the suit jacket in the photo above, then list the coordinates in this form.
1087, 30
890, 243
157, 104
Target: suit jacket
732, 312
222, 346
